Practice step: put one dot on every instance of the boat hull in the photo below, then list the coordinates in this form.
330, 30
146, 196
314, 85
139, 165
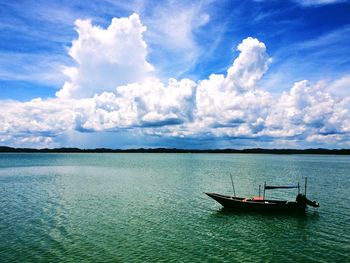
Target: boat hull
249, 205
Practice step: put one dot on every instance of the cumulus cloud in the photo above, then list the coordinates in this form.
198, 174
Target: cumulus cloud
233, 100
112, 89
340, 87
106, 58
307, 111
250, 65
36, 122
151, 104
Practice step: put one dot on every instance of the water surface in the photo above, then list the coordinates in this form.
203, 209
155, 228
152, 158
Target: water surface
151, 207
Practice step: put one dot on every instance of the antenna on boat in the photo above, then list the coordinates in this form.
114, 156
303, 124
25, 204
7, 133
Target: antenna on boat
233, 186
264, 190
259, 190
305, 185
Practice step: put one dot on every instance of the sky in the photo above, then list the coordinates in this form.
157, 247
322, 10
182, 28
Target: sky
185, 74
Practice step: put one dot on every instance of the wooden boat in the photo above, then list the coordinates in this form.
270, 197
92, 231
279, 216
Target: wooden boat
260, 204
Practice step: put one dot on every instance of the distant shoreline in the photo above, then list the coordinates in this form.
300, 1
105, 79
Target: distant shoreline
5, 149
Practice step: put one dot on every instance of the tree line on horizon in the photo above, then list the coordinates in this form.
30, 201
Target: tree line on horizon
6, 149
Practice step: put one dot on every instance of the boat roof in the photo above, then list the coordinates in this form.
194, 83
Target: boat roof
269, 187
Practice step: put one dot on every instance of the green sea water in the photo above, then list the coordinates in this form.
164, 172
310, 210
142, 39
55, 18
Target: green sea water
151, 208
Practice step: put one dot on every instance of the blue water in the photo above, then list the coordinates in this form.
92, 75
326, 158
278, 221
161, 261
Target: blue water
151, 208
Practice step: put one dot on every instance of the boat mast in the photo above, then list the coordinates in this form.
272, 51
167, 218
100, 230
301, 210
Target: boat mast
264, 190
259, 190
305, 185
298, 188
233, 186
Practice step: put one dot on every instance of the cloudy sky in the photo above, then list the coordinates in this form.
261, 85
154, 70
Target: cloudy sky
185, 74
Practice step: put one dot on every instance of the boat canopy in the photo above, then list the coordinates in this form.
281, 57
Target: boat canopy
268, 187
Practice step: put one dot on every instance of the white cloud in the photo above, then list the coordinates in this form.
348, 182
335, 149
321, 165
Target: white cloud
250, 65
106, 58
173, 26
341, 86
310, 3
41, 68
150, 104
112, 89
317, 2
36, 122
308, 111
233, 100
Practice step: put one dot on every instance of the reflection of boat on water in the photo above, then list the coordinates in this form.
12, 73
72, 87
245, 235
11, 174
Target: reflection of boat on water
260, 204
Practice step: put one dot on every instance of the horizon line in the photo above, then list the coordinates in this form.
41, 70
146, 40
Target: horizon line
9, 149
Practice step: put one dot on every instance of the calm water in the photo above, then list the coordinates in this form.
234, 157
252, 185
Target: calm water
151, 207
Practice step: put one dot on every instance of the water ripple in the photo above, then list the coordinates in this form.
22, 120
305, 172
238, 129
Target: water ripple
151, 208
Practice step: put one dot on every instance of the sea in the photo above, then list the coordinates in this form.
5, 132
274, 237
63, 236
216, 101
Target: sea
137, 207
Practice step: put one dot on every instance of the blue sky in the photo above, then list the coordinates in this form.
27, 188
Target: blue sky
287, 42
